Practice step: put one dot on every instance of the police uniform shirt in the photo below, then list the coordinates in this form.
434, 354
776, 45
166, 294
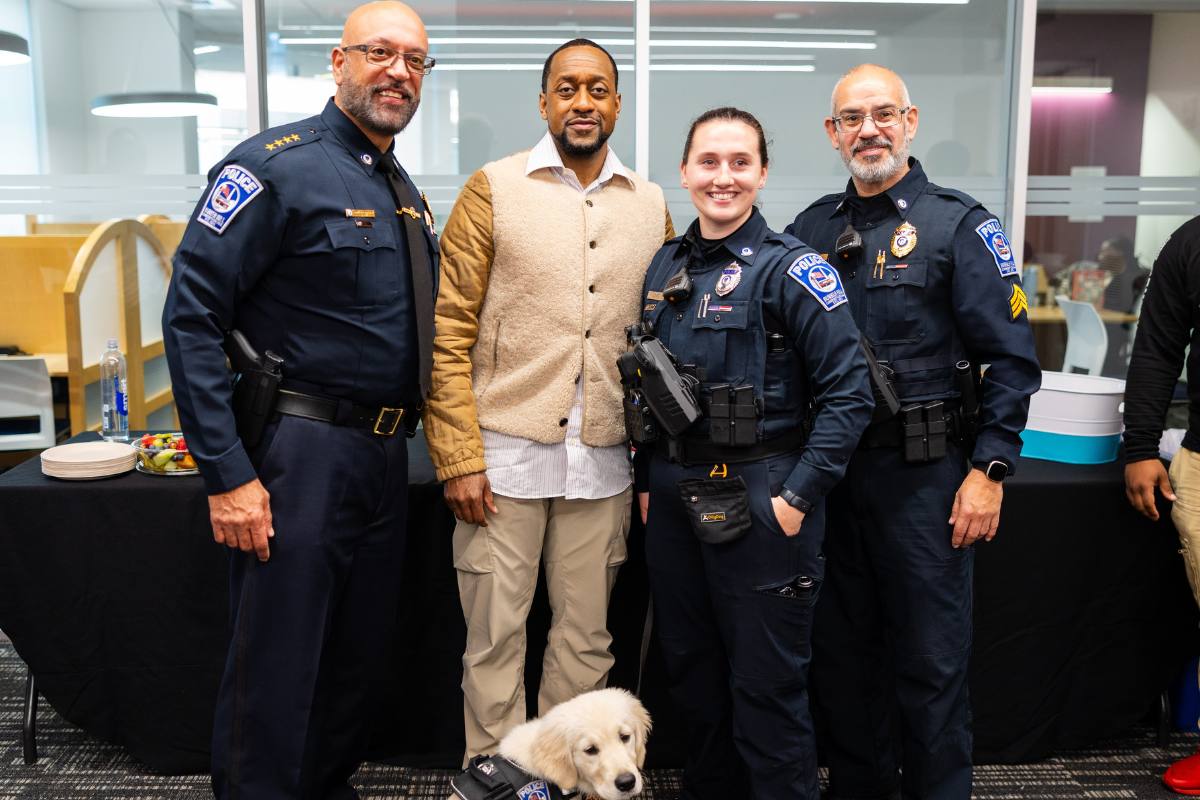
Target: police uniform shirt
298, 243
782, 285
936, 282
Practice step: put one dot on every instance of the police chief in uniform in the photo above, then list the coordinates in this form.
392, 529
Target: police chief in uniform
313, 243
735, 502
934, 287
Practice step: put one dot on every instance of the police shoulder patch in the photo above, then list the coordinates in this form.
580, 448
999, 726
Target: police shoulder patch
992, 233
822, 281
232, 191
534, 790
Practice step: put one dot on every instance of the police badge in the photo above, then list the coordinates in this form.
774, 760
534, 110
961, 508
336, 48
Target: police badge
904, 240
731, 276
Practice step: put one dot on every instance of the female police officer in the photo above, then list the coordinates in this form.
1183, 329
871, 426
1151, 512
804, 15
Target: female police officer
735, 514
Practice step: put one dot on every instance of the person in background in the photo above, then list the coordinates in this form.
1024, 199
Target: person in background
542, 263
734, 506
1169, 324
934, 286
301, 245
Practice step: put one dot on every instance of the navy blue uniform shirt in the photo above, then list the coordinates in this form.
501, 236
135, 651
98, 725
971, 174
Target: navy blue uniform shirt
936, 283
298, 243
768, 311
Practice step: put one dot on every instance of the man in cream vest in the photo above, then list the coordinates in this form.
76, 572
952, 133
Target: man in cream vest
542, 264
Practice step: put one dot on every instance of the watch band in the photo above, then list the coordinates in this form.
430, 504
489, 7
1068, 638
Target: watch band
795, 501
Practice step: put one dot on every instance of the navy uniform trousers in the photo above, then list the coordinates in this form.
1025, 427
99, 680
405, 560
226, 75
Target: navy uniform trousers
312, 624
890, 567
726, 632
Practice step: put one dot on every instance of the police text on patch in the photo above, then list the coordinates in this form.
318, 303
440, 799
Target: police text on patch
992, 233
232, 191
822, 281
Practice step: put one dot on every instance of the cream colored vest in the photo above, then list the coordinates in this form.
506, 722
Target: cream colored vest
566, 279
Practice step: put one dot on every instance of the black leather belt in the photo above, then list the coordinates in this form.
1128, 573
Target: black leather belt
380, 420
700, 451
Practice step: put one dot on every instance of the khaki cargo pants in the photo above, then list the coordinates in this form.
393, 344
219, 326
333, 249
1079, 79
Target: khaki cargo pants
582, 543
1185, 480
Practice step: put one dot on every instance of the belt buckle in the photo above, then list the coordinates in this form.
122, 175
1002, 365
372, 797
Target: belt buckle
379, 421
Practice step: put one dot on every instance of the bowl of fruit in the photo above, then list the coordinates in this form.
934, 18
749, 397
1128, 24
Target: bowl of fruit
164, 454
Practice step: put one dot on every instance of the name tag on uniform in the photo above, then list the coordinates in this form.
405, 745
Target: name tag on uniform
360, 213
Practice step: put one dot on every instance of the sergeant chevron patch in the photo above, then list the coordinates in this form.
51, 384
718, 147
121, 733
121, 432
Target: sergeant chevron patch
1018, 302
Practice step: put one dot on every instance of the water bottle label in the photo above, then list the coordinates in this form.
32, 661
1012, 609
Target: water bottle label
119, 388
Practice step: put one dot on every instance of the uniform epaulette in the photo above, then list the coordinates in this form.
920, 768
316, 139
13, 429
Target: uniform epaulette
836, 197
288, 141
962, 197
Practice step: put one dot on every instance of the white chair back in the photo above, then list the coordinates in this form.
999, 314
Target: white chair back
1087, 340
25, 393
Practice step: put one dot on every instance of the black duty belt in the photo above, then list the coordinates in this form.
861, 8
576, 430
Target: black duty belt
702, 451
890, 432
380, 420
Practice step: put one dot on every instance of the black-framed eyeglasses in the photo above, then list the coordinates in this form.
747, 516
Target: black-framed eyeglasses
380, 56
883, 118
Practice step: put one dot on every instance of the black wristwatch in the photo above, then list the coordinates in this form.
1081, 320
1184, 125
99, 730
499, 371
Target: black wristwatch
996, 471
795, 501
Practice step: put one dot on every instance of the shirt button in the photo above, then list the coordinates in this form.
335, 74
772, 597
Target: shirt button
366, 240
592, 288
592, 244
717, 318
895, 276
587, 334
852, 274
588, 203
562, 423
679, 317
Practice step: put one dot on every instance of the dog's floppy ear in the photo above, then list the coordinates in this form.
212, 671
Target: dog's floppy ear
641, 725
550, 757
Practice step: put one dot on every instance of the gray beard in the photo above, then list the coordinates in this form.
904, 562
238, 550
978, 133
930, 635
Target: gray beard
882, 168
356, 100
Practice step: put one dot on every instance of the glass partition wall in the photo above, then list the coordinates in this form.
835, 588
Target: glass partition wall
1114, 160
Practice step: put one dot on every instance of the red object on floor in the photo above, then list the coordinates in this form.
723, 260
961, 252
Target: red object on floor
1183, 777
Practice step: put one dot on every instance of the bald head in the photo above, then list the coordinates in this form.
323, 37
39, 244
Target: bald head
380, 97
370, 19
881, 79
871, 123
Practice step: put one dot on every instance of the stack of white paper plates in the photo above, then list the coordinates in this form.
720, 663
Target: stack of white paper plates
86, 460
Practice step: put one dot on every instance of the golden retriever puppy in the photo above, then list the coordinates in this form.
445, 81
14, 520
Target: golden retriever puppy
594, 744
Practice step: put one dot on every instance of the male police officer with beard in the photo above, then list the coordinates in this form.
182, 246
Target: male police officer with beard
313, 243
933, 285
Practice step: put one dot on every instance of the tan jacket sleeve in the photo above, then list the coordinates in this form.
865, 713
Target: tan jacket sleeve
451, 421
669, 233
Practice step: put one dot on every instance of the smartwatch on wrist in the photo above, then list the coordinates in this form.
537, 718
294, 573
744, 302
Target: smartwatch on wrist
996, 471
795, 501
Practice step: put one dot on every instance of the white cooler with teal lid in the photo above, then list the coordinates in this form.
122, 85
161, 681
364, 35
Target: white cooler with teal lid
1075, 419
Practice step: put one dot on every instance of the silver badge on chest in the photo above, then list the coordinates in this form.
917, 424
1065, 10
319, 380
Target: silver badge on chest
731, 276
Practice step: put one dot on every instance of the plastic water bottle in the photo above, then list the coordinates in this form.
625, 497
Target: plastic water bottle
114, 397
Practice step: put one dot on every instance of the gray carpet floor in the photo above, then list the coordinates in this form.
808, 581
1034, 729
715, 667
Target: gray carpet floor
75, 766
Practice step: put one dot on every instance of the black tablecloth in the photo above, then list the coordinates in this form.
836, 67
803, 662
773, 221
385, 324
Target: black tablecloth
115, 595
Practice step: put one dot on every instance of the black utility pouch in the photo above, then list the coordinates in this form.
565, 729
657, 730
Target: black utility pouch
719, 510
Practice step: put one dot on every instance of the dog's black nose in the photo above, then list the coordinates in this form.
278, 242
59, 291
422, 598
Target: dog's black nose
625, 781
